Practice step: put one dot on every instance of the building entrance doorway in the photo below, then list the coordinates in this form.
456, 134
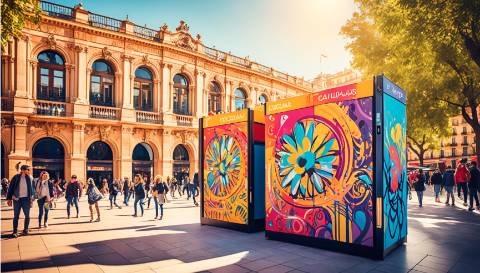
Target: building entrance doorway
181, 163
48, 155
100, 163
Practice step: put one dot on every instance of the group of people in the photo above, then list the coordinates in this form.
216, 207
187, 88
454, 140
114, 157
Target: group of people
465, 178
23, 190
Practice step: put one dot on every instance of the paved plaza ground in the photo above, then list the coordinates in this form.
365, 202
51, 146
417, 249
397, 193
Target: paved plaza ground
440, 239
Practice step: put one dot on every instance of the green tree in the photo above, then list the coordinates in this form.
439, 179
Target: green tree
453, 31
403, 59
15, 13
435, 45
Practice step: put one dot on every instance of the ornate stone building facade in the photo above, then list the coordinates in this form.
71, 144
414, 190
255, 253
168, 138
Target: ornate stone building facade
98, 97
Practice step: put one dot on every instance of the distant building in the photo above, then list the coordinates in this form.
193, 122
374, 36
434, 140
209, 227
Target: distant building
459, 145
99, 97
346, 76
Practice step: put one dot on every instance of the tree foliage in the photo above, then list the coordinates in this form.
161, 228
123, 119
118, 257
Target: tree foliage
15, 13
427, 47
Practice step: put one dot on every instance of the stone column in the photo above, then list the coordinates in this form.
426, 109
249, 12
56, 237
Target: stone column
78, 161
22, 67
199, 84
33, 89
126, 156
228, 96
167, 161
19, 151
81, 94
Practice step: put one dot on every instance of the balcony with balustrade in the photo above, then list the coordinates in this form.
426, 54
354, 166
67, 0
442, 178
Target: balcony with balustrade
149, 117
50, 108
112, 24
104, 112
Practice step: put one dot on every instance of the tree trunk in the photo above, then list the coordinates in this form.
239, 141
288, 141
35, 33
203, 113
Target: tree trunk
420, 159
477, 145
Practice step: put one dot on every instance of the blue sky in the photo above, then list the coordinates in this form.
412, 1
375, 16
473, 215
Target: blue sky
289, 35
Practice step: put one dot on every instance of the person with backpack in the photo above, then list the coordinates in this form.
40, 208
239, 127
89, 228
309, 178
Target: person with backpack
44, 194
436, 181
139, 194
462, 176
73, 194
160, 190
20, 194
449, 183
113, 189
420, 186
93, 196
473, 185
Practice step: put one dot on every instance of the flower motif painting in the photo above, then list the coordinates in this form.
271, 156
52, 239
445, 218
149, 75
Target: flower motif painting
223, 164
306, 159
225, 173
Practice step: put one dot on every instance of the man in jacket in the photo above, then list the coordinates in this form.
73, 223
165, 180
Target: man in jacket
449, 183
462, 176
473, 185
436, 181
21, 193
73, 193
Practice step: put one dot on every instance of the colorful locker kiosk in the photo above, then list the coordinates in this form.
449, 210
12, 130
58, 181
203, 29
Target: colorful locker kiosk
232, 170
336, 168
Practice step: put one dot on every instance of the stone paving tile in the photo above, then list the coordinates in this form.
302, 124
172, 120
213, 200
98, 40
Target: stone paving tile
276, 269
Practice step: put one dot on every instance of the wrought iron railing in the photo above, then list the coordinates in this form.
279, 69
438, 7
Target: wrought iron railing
56, 10
146, 33
50, 108
104, 112
106, 22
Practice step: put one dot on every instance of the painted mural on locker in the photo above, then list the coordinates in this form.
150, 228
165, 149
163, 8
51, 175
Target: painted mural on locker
319, 168
225, 170
395, 171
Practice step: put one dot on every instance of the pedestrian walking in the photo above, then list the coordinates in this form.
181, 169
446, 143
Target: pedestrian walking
160, 190
139, 194
420, 187
93, 196
126, 190
193, 188
113, 190
186, 186
473, 185
104, 186
449, 183
174, 184
44, 193
436, 181
462, 176
148, 191
4, 186
73, 194
20, 194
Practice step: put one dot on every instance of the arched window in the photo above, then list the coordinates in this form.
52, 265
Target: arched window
143, 90
51, 76
180, 95
102, 84
214, 98
262, 99
240, 99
